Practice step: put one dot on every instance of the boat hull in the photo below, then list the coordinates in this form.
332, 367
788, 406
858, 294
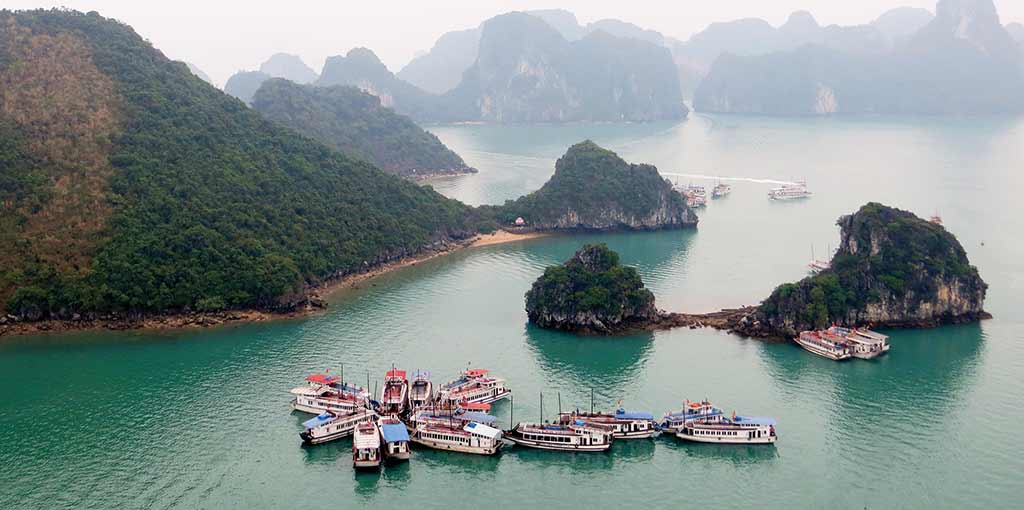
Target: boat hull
368, 465
476, 450
726, 439
309, 439
870, 354
543, 445
824, 353
640, 434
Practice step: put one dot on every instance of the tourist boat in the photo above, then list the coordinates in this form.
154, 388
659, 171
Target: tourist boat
366, 447
824, 344
471, 437
576, 436
324, 392
394, 398
734, 430
446, 415
702, 410
395, 438
330, 425
720, 190
421, 391
817, 266
625, 424
474, 386
863, 343
789, 191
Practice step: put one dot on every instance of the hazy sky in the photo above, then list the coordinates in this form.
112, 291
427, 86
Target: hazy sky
224, 36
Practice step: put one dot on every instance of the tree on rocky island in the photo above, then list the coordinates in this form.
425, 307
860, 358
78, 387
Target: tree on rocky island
590, 293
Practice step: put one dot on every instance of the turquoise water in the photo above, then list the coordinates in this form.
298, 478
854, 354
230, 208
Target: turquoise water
199, 419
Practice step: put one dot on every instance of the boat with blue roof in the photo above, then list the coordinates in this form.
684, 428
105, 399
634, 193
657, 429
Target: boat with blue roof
394, 438
700, 410
331, 425
730, 430
458, 436
625, 424
576, 436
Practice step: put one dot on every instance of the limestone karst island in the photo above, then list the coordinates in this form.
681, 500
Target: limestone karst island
405, 254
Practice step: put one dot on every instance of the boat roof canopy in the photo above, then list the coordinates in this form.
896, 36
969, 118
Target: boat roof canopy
755, 420
483, 430
322, 378
477, 372
633, 415
321, 419
474, 406
479, 417
394, 432
396, 373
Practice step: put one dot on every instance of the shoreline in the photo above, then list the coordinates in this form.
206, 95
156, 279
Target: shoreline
201, 320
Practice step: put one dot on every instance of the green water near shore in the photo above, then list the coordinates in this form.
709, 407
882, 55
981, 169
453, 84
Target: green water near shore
200, 419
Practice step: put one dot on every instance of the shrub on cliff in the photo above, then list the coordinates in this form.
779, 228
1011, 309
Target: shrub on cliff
590, 292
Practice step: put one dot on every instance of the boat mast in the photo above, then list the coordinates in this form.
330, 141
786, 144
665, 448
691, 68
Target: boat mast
542, 408
591, 400
559, 404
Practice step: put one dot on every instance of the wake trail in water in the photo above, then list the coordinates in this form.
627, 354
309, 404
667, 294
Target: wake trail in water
722, 178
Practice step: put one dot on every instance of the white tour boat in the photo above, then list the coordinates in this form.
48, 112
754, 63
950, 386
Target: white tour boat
421, 391
824, 344
325, 392
394, 396
625, 424
735, 430
720, 190
790, 191
395, 438
440, 415
471, 437
863, 343
702, 410
366, 447
473, 386
577, 436
329, 426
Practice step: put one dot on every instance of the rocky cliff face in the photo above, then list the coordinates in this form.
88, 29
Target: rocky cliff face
289, 67
591, 293
892, 269
594, 189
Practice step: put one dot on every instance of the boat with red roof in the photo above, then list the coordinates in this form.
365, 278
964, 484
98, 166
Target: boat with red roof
700, 410
326, 392
824, 344
394, 399
474, 386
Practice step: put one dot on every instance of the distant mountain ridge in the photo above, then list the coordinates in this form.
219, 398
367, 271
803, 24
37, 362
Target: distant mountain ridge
962, 61
289, 67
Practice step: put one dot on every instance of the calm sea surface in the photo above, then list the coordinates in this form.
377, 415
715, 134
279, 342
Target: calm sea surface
200, 419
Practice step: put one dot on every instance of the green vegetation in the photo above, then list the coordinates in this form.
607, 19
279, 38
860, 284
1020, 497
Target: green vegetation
212, 206
886, 255
590, 291
593, 188
355, 123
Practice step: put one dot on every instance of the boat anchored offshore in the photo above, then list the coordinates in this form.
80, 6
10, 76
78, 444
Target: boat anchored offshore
471, 437
324, 392
702, 410
734, 430
624, 424
862, 343
366, 447
790, 191
721, 190
394, 399
329, 425
395, 438
824, 344
473, 386
421, 391
577, 436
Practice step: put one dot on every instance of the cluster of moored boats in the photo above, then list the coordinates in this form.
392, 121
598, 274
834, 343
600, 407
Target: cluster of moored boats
696, 196
838, 343
456, 417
